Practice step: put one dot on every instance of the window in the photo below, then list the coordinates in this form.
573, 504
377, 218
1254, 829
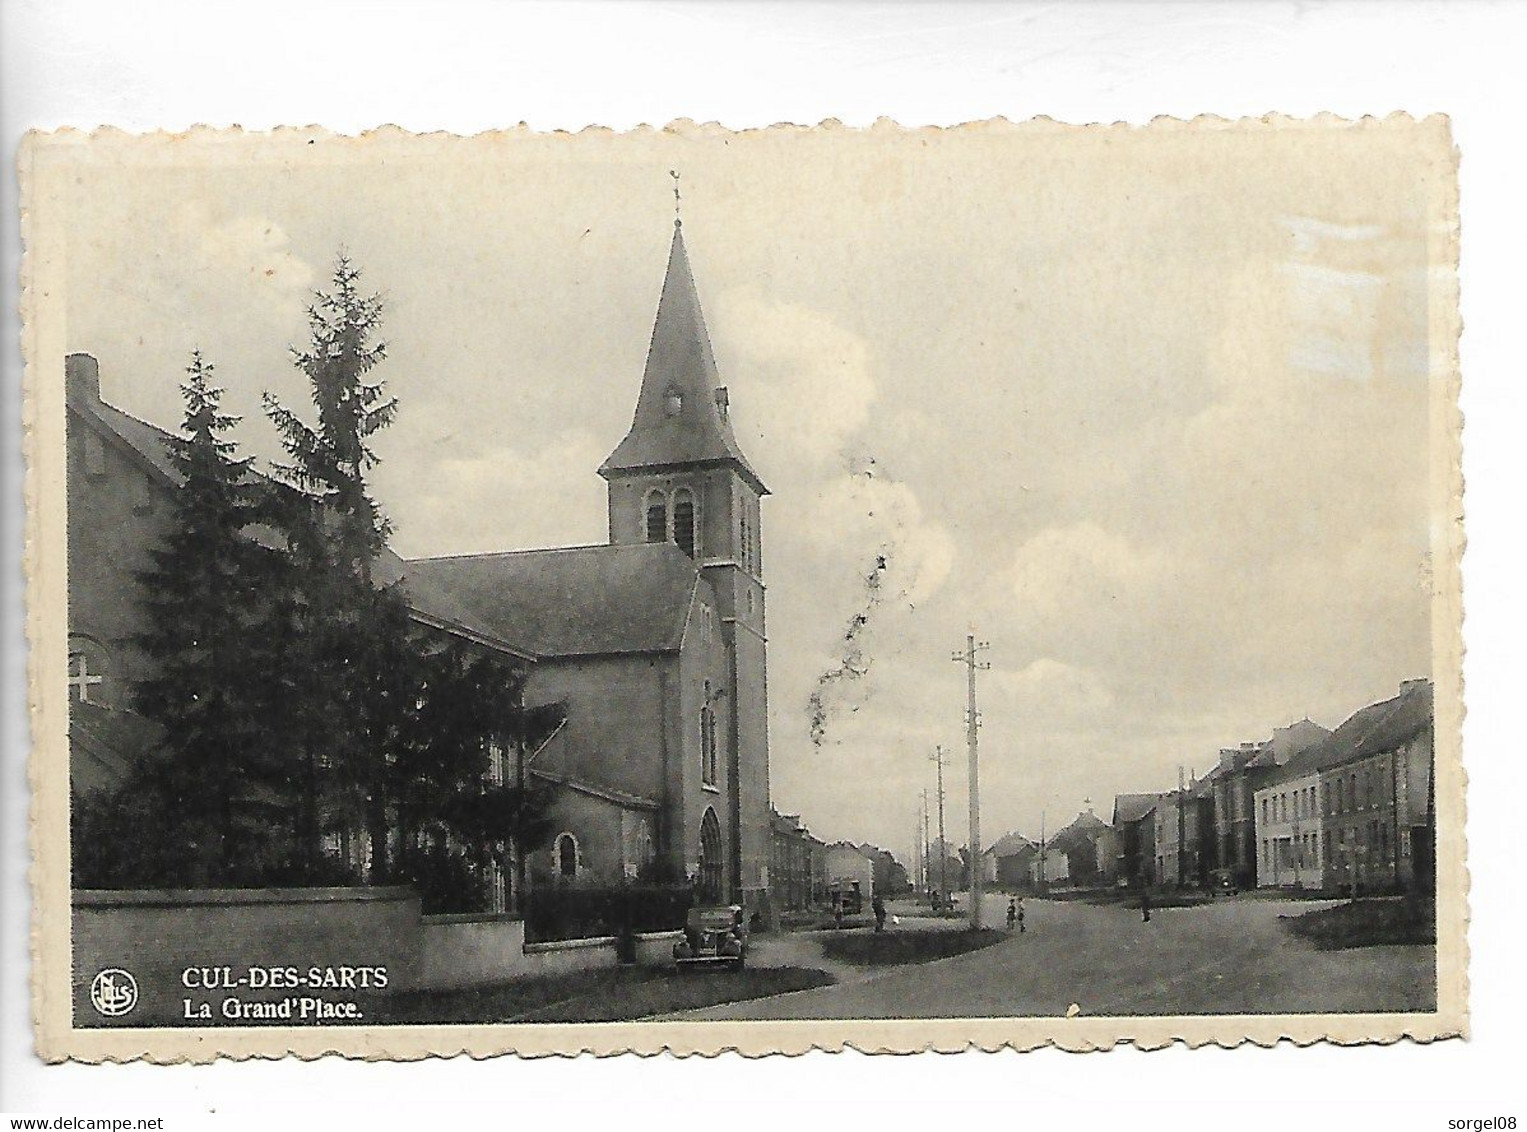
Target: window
657, 517
567, 856
684, 521
87, 671
708, 738
745, 542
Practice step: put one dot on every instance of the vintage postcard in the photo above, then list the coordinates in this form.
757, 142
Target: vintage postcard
697, 590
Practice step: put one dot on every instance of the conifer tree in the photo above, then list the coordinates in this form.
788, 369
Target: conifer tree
351, 629
217, 784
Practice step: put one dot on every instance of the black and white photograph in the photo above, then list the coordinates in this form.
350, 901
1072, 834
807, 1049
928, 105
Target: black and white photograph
540, 592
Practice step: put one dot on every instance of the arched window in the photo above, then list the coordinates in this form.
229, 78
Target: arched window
712, 867
745, 541
708, 739
657, 517
684, 520
567, 856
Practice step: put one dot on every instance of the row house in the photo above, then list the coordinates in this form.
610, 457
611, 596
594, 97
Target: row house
1356, 811
797, 863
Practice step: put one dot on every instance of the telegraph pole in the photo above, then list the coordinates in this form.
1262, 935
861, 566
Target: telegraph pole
927, 848
1182, 827
972, 728
943, 846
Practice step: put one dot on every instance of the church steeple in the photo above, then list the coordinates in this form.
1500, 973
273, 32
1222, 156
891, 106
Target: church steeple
681, 415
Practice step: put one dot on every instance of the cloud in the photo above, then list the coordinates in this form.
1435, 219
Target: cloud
509, 496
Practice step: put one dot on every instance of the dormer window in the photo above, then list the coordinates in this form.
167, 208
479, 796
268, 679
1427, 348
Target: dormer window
673, 401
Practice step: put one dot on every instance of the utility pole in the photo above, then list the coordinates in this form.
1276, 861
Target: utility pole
943, 846
972, 727
927, 847
1182, 827
1043, 872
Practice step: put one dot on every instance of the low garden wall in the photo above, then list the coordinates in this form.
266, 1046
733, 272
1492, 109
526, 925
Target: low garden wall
190, 952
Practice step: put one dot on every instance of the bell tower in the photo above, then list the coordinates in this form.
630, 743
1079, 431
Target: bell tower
679, 476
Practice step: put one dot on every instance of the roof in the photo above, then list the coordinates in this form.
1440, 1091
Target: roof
678, 420
1379, 727
572, 601
1133, 807
1010, 845
106, 745
1087, 825
604, 793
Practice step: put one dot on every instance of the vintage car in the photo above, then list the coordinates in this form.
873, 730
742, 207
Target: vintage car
713, 935
1222, 883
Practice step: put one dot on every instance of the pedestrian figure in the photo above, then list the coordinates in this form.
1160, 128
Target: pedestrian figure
837, 911
1021, 928
878, 906
1012, 914
1145, 905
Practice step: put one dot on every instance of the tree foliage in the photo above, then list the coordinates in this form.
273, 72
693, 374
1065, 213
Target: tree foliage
211, 619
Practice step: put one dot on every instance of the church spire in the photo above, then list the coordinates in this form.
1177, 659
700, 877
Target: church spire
681, 413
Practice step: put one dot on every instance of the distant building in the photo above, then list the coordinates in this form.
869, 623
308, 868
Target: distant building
1134, 820
1242, 771
1010, 857
849, 871
1357, 808
1077, 845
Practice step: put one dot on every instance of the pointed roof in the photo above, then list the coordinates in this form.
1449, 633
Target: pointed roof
678, 420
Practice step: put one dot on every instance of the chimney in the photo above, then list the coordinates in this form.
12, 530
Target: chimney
723, 402
82, 378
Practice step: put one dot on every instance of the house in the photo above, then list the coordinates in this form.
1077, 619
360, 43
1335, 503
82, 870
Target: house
1242, 771
890, 875
1078, 845
790, 868
1357, 809
1134, 819
1010, 855
849, 871
654, 641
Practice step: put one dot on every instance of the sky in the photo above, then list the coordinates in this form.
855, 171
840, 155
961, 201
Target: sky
1146, 409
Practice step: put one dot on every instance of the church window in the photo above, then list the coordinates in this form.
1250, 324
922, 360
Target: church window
745, 548
567, 856
673, 401
708, 738
657, 517
87, 672
684, 521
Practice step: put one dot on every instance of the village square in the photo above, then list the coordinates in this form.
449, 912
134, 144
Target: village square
557, 782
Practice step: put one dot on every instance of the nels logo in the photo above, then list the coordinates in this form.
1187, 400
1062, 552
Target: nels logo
114, 992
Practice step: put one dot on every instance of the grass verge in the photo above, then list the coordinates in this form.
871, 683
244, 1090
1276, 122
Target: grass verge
618, 995
891, 948
1367, 923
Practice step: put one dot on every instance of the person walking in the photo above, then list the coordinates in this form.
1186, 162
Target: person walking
1145, 905
1012, 913
1021, 928
877, 905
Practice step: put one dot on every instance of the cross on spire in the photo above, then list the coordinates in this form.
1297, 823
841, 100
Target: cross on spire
677, 200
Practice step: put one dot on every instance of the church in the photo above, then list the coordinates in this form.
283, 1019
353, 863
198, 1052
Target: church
654, 641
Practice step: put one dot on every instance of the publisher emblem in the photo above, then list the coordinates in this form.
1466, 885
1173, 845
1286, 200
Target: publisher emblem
114, 992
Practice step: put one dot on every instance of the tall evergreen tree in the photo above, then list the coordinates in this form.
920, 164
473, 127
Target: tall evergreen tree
350, 627
216, 786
